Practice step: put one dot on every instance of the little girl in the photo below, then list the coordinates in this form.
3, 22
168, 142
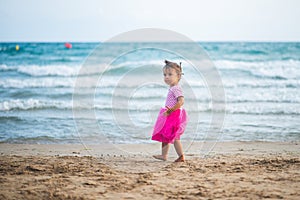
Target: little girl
172, 119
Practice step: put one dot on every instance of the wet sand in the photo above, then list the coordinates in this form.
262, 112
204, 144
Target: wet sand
231, 170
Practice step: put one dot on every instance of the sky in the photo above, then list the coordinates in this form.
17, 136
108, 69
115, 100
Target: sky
100, 20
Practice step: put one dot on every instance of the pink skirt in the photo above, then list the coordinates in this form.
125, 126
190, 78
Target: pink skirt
167, 129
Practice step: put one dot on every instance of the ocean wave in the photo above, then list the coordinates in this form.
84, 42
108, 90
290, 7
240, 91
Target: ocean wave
37, 83
54, 70
124, 67
4, 119
253, 73
65, 82
277, 69
292, 101
50, 70
112, 84
230, 108
78, 70
279, 112
5, 68
254, 52
32, 104
256, 95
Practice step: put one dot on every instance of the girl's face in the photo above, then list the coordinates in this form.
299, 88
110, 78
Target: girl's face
171, 77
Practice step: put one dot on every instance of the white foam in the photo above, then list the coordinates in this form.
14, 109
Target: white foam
263, 108
278, 68
17, 104
49, 70
230, 64
55, 70
4, 67
73, 70
37, 83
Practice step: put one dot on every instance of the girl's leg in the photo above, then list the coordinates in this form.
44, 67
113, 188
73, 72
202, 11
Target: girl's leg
178, 147
165, 149
179, 151
164, 152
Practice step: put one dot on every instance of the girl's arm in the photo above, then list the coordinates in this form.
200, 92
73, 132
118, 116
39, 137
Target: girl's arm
180, 102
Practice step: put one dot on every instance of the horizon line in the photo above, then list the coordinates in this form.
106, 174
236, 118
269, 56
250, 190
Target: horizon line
94, 41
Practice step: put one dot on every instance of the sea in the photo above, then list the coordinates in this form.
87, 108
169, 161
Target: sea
260, 80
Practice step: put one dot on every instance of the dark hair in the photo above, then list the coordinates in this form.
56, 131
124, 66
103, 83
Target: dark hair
173, 65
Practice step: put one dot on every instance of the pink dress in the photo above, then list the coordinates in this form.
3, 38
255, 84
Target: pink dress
169, 128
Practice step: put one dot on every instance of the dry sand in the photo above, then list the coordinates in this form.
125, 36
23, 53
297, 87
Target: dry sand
231, 170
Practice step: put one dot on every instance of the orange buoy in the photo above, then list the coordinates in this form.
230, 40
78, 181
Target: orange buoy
17, 47
68, 45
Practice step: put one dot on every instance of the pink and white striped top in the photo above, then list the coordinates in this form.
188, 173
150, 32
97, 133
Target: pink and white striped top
174, 92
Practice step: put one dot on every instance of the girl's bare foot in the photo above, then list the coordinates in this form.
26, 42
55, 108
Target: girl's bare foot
160, 157
180, 159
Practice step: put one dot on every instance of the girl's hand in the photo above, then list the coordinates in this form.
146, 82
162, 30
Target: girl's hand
180, 101
168, 111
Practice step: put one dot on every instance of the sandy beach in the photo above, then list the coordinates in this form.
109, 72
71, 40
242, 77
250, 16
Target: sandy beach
232, 170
